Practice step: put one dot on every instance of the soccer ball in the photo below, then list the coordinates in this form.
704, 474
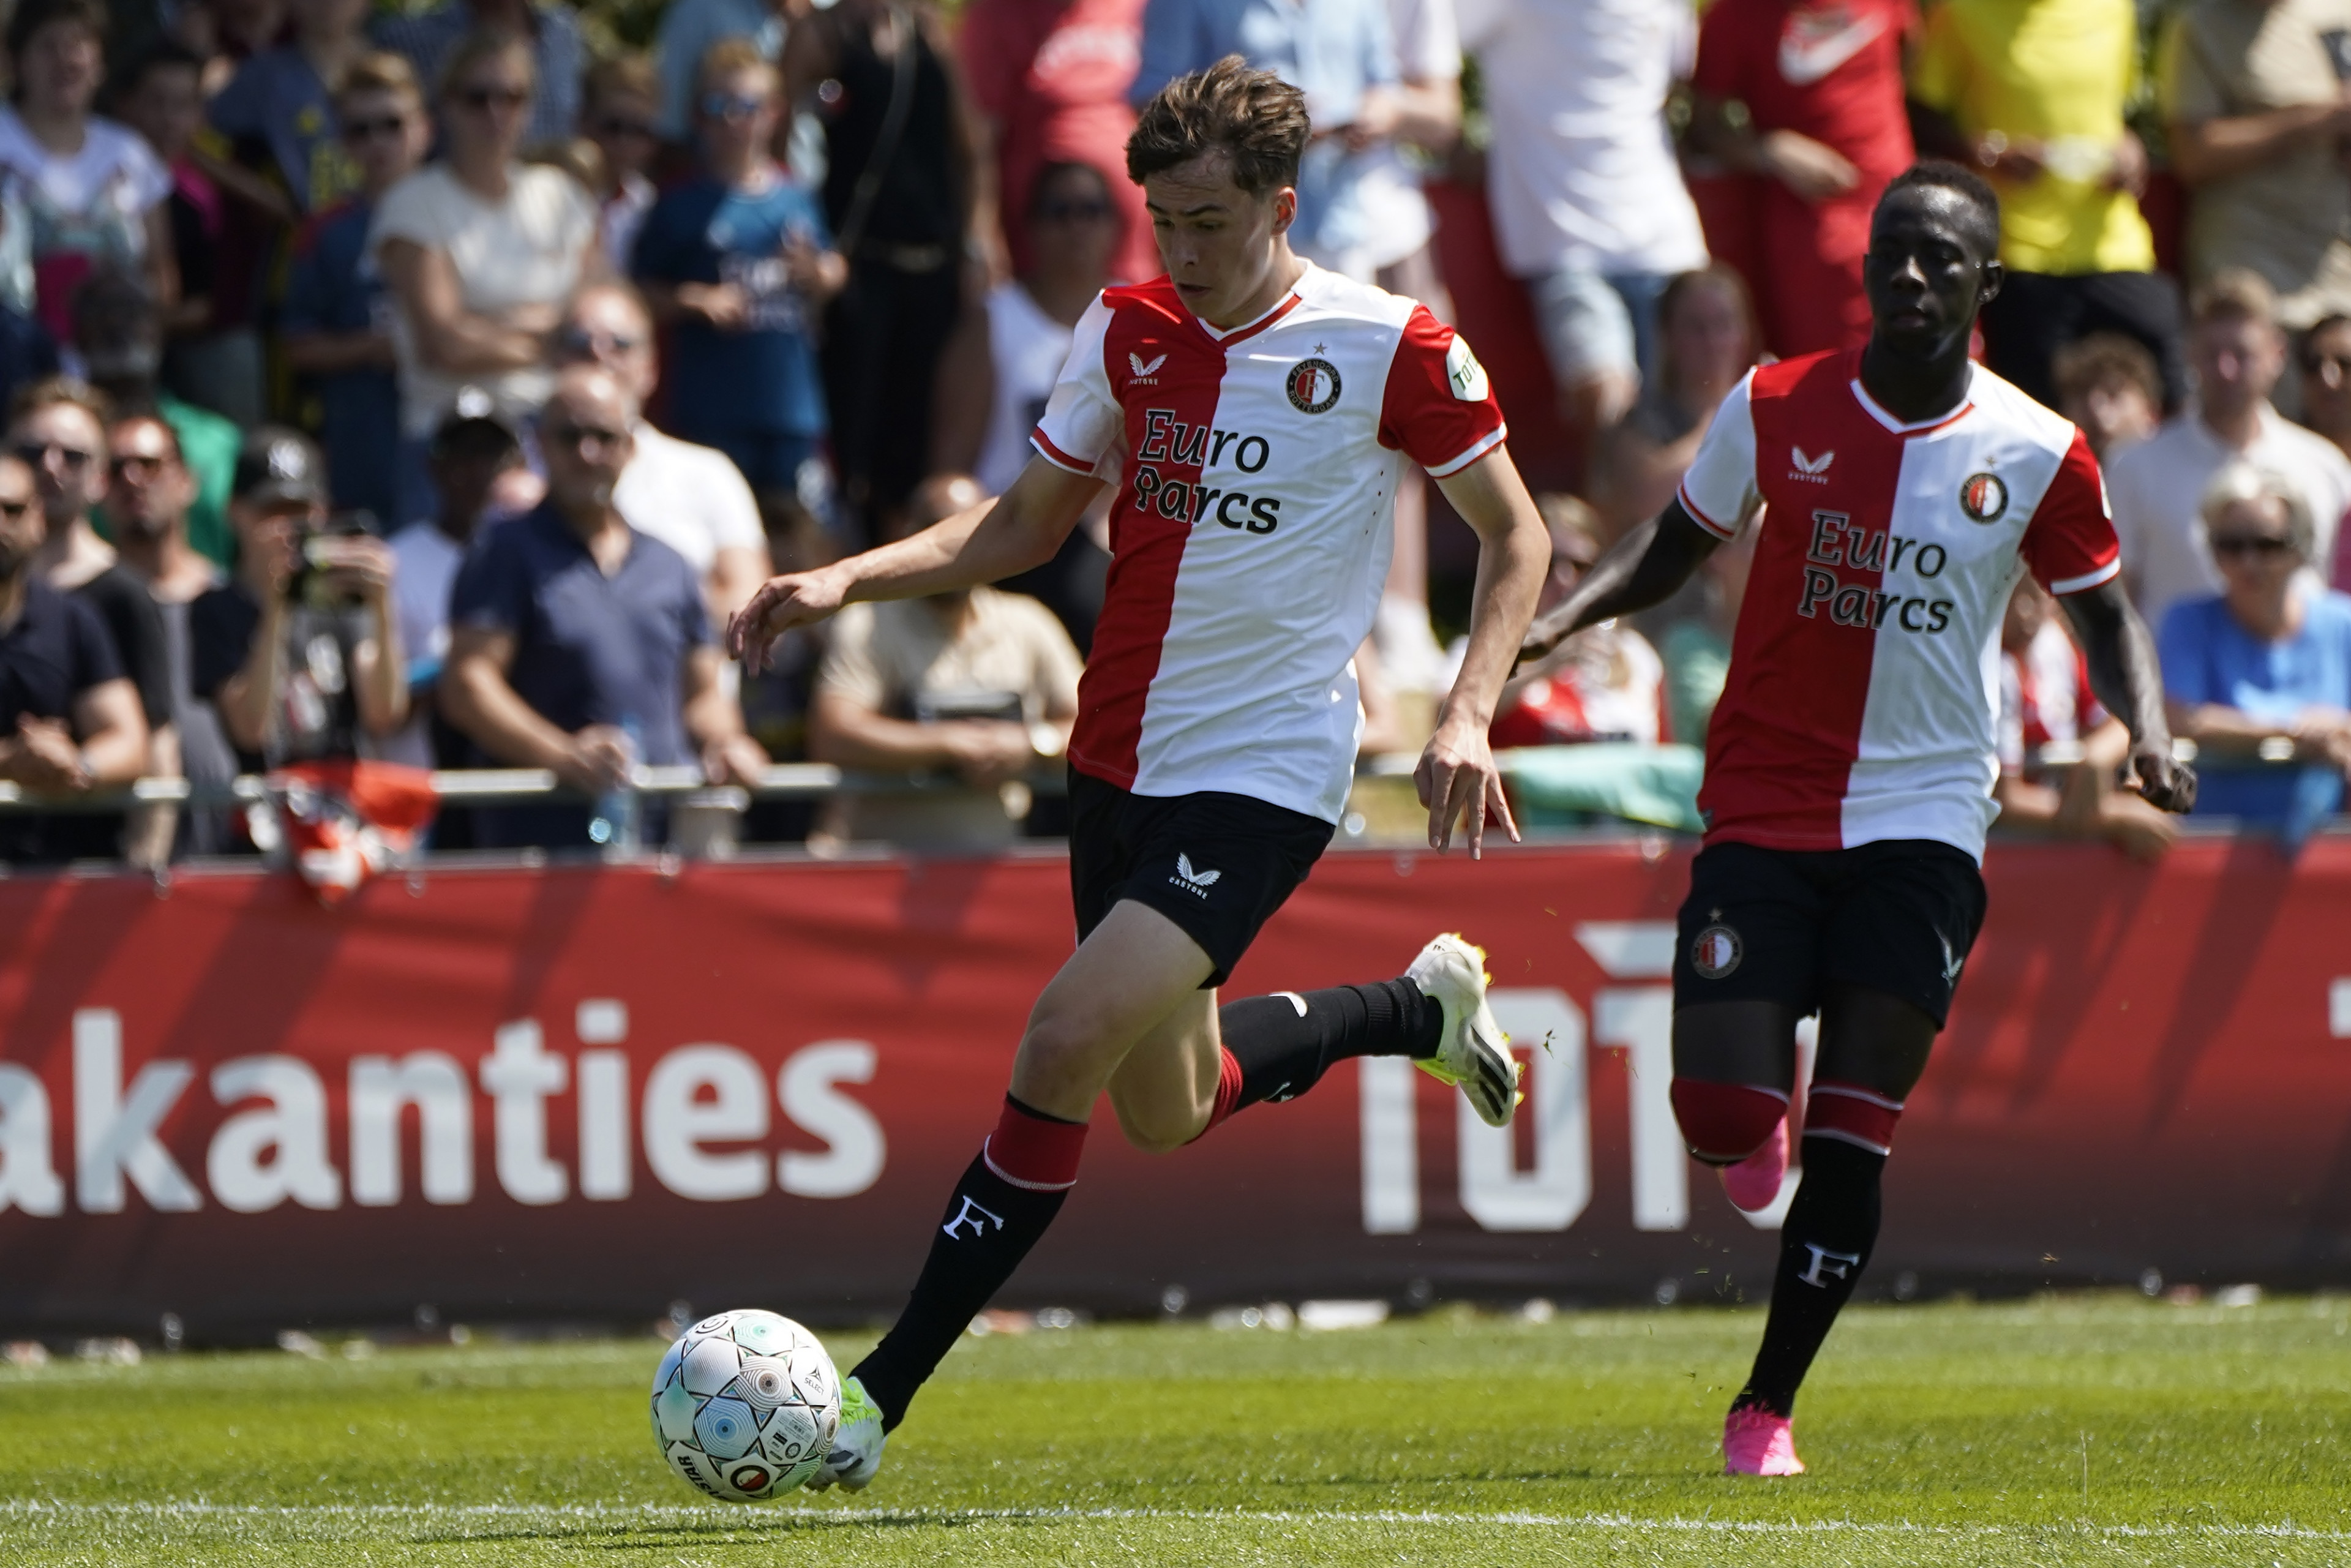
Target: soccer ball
745, 1406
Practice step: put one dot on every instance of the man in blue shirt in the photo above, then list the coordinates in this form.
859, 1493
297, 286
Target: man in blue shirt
337, 316
2263, 671
581, 645
740, 262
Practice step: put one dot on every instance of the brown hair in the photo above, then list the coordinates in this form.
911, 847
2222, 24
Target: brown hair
52, 390
149, 416
2086, 364
31, 15
1255, 118
622, 74
1714, 275
483, 44
379, 70
728, 55
2234, 294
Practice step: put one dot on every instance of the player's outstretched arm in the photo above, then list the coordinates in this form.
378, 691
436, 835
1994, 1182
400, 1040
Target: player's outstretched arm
1020, 529
2124, 674
1644, 568
1456, 775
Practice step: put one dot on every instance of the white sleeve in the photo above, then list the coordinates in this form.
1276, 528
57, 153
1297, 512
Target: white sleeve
728, 508
1428, 43
1719, 492
1082, 417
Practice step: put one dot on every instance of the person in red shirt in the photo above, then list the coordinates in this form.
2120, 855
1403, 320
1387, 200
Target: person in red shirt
1802, 99
1051, 78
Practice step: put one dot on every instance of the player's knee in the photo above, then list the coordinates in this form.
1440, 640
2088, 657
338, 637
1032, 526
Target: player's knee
1157, 1130
1060, 1046
1725, 1122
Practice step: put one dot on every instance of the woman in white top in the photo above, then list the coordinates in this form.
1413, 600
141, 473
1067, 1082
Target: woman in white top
480, 249
80, 191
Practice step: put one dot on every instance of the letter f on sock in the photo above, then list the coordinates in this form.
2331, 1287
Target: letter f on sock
1824, 1262
971, 1214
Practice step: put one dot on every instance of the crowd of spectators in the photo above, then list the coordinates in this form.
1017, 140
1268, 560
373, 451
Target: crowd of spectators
415, 381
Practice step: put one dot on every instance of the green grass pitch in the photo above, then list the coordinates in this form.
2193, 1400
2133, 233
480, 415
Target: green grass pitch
2070, 1430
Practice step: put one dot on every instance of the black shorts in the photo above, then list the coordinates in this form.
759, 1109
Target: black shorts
1217, 865
1779, 925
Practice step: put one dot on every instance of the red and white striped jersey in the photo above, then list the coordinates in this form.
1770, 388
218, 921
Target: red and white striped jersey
1864, 672
1251, 533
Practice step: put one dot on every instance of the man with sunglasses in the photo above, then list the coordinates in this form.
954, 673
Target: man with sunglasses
581, 645
1850, 763
740, 263
336, 322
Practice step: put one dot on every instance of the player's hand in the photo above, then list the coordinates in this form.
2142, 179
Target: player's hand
1812, 170
1457, 778
795, 598
2163, 783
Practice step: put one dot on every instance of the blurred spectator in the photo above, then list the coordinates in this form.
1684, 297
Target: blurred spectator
2108, 386
690, 497
1588, 200
148, 494
1696, 649
70, 722
336, 323
913, 206
436, 40
2033, 92
1002, 365
1049, 79
981, 684
480, 250
472, 451
2256, 115
2264, 668
227, 33
2045, 703
2326, 360
88, 191
299, 652
216, 214
581, 645
279, 111
688, 30
1803, 99
1604, 683
618, 113
27, 352
739, 263
2157, 486
119, 333
1706, 343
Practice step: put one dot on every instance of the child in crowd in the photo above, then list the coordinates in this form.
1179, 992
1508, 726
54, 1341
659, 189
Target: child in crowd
623, 101
740, 261
338, 317
2108, 386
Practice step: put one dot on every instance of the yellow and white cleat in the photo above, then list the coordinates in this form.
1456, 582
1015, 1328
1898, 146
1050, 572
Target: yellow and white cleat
1475, 1056
856, 1443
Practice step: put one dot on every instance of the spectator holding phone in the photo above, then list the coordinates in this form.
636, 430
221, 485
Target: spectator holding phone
740, 262
300, 652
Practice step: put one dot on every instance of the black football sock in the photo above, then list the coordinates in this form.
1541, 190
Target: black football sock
1824, 1244
998, 1211
1284, 1043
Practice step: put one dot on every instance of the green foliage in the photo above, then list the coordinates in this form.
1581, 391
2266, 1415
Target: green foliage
2063, 1432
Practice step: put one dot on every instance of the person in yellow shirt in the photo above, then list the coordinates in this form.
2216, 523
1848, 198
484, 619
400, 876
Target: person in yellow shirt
2031, 92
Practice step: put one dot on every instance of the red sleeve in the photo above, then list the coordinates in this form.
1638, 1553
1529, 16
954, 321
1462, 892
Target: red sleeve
1439, 410
1717, 73
2069, 543
988, 47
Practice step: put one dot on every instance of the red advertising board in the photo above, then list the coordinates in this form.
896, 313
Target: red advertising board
585, 1093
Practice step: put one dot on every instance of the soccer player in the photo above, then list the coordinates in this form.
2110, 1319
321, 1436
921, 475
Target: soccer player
1850, 765
1266, 409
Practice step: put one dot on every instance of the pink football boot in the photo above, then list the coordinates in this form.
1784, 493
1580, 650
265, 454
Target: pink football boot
1758, 1443
1754, 1181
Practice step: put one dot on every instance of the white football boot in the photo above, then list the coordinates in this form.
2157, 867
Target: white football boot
857, 1443
1475, 1054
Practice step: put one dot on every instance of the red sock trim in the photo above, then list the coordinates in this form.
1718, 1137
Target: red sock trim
1039, 1152
1851, 1114
1725, 1122
1228, 1092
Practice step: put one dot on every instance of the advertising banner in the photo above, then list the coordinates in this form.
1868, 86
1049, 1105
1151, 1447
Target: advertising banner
585, 1093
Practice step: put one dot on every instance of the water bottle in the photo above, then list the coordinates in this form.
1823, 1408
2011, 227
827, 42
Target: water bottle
615, 828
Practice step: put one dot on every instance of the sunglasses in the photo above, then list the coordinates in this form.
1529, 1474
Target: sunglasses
368, 130
37, 453
1073, 212
616, 127
731, 106
137, 462
2267, 546
598, 344
482, 100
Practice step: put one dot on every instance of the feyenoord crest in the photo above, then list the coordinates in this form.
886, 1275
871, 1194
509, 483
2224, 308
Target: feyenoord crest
1313, 385
1983, 497
1717, 952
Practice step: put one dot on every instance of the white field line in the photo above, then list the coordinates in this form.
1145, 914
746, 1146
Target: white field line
33, 1510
